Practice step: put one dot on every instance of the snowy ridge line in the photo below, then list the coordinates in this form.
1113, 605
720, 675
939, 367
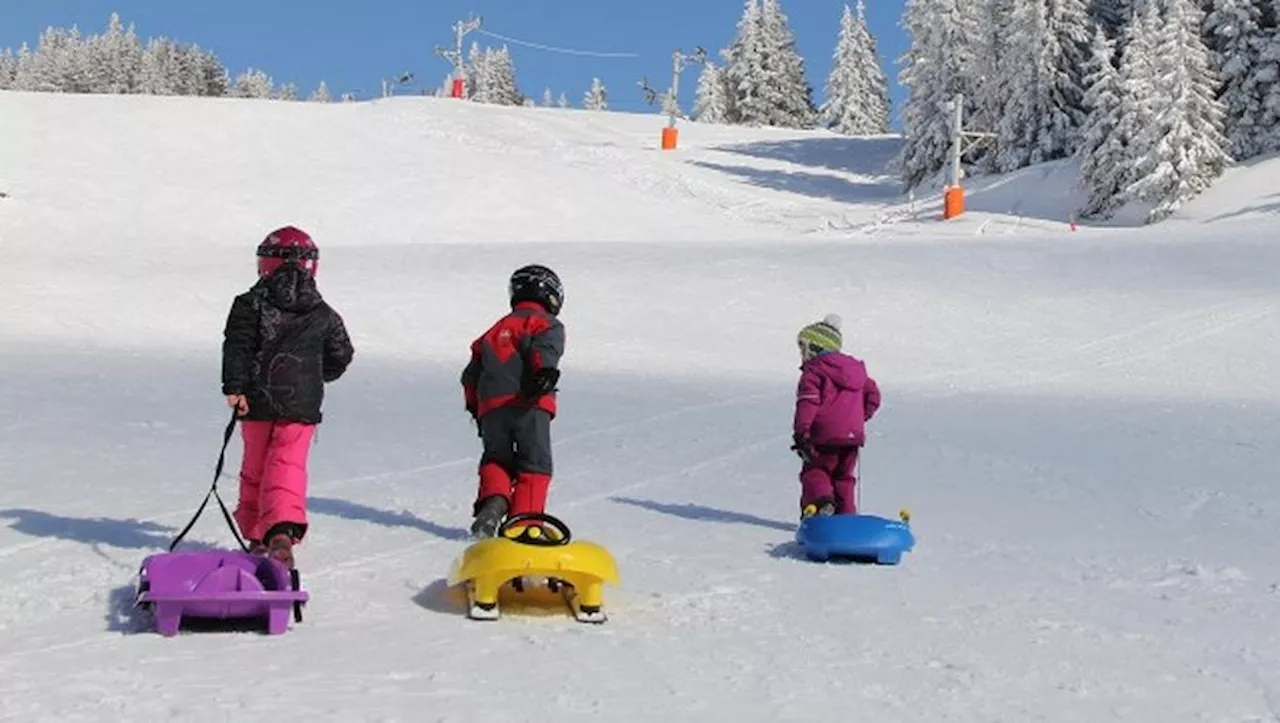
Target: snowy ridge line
556, 49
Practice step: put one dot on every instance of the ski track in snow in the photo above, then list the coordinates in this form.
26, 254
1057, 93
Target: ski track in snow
328, 485
362, 563
1083, 425
1152, 339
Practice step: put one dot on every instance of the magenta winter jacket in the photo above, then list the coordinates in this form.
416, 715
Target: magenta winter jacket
834, 399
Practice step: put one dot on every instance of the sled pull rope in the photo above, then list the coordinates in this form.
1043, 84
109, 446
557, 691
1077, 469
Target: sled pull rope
213, 492
857, 475
296, 581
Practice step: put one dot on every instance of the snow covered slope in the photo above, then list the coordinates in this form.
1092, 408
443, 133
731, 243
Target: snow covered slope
1248, 194
1084, 424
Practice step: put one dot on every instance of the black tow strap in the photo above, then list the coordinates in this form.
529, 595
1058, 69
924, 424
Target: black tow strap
213, 492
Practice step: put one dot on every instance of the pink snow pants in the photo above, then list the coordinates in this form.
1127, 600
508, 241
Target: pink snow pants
828, 475
273, 476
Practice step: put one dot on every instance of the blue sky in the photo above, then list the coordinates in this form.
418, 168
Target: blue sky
352, 45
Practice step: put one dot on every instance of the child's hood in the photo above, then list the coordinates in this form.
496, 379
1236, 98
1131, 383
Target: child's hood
843, 370
291, 289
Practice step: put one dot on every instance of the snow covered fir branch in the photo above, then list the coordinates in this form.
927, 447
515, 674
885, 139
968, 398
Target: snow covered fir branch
1153, 97
762, 80
116, 61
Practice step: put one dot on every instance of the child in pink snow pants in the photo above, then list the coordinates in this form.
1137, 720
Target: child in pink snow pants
281, 345
834, 400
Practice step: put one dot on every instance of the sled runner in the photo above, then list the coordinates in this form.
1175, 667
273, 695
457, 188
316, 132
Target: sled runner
218, 584
530, 556
866, 538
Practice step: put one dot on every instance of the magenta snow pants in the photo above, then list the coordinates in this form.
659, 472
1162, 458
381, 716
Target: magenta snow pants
828, 475
273, 476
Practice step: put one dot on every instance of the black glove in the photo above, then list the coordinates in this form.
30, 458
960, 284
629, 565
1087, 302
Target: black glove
801, 446
540, 383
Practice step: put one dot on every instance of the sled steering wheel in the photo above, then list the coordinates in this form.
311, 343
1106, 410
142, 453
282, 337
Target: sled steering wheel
533, 534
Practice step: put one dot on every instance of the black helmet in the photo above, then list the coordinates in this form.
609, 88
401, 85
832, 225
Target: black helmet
537, 283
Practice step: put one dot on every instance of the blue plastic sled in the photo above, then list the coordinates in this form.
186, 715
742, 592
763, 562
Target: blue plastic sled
862, 537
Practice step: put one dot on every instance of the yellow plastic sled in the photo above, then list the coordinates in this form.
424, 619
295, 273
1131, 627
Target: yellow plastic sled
535, 546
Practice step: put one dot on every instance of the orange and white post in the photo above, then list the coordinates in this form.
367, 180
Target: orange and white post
953, 197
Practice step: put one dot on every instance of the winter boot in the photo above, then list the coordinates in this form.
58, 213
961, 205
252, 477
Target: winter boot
280, 549
280, 540
489, 514
825, 508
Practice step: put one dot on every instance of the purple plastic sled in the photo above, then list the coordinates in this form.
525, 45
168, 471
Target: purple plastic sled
218, 584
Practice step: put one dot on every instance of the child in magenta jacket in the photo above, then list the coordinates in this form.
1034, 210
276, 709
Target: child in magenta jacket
834, 400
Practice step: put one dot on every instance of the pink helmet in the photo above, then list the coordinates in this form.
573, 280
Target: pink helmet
284, 244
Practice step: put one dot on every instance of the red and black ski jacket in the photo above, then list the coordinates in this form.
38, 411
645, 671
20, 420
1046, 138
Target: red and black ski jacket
508, 360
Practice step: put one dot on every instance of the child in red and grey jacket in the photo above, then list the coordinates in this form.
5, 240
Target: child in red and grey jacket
509, 389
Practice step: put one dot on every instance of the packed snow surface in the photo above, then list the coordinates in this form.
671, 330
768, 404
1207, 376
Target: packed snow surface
1083, 423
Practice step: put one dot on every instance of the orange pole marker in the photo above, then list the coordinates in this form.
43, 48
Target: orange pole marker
669, 136
953, 202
